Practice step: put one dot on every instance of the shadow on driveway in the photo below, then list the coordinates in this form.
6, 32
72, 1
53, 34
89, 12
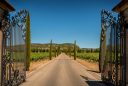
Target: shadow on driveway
92, 82
93, 71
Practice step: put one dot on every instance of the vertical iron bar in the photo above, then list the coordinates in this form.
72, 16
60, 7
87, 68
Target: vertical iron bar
110, 52
10, 59
116, 52
125, 56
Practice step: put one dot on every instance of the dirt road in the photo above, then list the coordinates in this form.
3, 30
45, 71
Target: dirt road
62, 71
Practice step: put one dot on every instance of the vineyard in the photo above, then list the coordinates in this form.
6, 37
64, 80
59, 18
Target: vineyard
42, 51
94, 57
39, 56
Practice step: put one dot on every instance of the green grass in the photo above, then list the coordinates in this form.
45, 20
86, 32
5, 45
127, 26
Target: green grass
39, 56
88, 56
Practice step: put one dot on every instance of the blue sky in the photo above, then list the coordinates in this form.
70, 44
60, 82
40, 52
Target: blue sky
65, 20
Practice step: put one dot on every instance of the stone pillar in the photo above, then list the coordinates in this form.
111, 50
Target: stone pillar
0, 51
127, 57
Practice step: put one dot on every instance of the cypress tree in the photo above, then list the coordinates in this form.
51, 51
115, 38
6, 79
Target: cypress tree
58, 50
55, 51
69, 51
50, 51
75, 50
28, 42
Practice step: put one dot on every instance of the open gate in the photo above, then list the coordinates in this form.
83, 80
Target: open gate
13, 61
112, 49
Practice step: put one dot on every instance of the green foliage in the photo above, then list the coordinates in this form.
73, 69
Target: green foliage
36, 50
28, 42
89, 56
39, 56
70, 49
88, 50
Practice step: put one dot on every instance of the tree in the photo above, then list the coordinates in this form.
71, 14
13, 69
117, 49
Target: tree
69, 50
58, 50
28, 42
75, 50
50, 51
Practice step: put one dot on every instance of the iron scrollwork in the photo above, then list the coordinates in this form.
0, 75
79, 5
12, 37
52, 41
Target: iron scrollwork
109, 61
14, 28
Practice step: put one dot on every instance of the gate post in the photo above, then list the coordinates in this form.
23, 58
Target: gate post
122, 9
1, 37
127, 55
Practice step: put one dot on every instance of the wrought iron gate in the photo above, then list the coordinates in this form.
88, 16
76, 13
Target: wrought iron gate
112, 49
13, 61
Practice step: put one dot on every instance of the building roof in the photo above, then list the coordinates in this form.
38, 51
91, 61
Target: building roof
121, 6
6, 6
